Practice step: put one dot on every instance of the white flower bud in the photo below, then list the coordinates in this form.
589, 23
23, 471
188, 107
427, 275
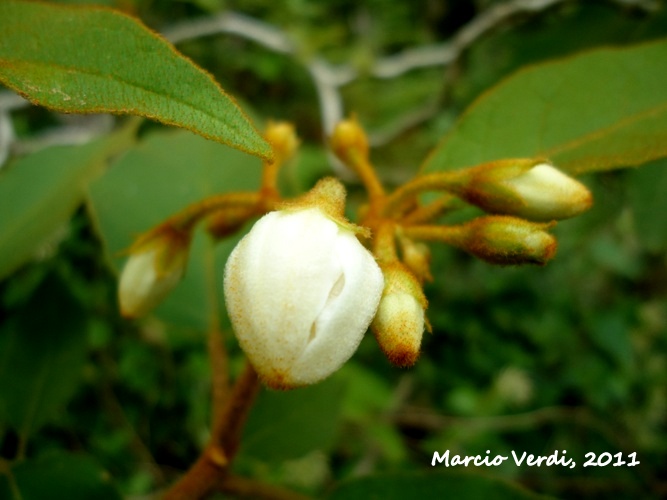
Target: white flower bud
548, 193
523, 188
300, 291
154, 268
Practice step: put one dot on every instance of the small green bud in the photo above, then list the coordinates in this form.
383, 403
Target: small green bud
504, 240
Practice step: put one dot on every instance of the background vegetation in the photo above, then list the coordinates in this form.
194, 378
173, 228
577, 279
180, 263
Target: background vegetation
572, 356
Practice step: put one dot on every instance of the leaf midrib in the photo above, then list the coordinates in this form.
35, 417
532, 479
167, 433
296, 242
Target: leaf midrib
600, 133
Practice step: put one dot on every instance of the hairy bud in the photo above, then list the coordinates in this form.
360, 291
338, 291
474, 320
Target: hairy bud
505, 240
525, 188
155, 267
398, 325
301, 291
349, 142
283, 140
417, 257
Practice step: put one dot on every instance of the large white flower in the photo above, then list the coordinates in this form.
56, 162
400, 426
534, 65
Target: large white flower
301, 291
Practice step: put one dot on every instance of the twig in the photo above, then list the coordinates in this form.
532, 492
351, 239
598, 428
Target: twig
216, 348
236, 411
82, 131
404, 124
329, 78
326, 77
211, 466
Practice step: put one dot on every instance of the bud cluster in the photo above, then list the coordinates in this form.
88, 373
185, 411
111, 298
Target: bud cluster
301, 289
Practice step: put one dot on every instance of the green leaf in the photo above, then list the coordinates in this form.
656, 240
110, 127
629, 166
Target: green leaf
287, 425
450, 484
599, 110
367, 395
42, 356
648, 186
165, 173
37, 196
96, 60
57, 476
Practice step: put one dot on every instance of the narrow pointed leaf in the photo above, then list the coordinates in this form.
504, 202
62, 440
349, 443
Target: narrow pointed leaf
96, 60
599, 110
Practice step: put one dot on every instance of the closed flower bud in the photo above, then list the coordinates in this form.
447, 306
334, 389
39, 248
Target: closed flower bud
301, 291
283, 140
417, 257
399, 322
349, 142
527, 189
155, 267
505, 240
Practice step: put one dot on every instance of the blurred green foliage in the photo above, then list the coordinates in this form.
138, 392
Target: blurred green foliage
572, 356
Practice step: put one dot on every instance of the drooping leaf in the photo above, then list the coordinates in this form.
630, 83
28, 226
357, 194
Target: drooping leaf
162, 175
38, 194
450, 484
57, 476
287, 425
42, 356
599, 110
96, 60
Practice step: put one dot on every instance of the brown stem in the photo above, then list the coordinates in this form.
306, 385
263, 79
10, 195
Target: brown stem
270, 180
195, 212
200, 478
216, 348
448, 234
370, 180
384, 243
212, 464
235, 413
219, 378
431, 211
440, 181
